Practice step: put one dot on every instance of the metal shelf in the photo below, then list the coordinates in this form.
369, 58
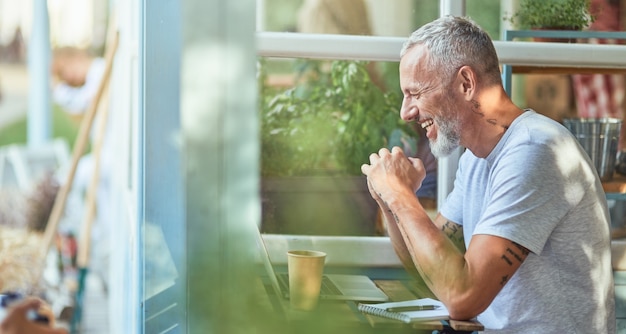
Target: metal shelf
616, 188
510, 35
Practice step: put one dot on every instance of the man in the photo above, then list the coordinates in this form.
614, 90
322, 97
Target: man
522, 242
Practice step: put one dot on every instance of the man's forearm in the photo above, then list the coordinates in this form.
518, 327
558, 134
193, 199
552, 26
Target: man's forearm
398, 241
405, 257
427, 244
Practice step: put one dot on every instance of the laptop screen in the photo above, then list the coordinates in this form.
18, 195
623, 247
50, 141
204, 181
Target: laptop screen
267, 264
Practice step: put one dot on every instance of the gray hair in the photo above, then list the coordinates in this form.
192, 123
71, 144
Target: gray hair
454, 42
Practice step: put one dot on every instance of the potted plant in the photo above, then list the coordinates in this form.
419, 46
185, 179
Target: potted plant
552, 15
314, 138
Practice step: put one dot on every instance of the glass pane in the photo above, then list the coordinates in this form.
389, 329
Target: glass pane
352, 17
487, 14
320, 121
367, 17
303, 126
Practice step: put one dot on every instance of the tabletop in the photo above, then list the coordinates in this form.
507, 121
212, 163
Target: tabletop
343, 317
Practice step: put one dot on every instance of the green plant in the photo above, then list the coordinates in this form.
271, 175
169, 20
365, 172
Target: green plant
328, 123
552, 14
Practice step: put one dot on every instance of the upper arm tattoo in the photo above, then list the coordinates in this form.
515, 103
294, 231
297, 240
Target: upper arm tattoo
515, 254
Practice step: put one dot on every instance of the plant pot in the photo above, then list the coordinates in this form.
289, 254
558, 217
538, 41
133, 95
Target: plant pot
318, 205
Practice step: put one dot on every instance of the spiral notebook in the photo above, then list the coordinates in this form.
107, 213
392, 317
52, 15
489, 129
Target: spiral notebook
438, 313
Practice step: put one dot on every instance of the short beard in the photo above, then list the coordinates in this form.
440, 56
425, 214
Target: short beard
448, 131
448, 139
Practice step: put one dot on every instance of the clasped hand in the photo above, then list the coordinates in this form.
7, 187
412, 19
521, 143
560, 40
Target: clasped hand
391, 172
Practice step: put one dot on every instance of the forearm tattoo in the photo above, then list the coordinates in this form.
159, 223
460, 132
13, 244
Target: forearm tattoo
407, 264
515, 254
395, 217
393, 214
452, 231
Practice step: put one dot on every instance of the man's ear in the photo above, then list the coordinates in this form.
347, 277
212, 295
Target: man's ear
467, 82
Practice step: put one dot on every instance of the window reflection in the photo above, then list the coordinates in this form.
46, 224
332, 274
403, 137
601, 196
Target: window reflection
367, 17
487, 14
351, 17
320, 121
312, 112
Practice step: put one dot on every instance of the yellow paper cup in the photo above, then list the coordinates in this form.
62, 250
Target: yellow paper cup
305, 278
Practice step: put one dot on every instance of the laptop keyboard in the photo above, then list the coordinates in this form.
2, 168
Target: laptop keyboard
327, 288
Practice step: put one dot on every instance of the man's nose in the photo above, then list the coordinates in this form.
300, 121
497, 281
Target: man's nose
408, 111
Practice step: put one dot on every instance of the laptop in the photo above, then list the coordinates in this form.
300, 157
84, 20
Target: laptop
334, 286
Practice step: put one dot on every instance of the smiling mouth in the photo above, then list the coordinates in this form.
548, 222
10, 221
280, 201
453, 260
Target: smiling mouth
427, 123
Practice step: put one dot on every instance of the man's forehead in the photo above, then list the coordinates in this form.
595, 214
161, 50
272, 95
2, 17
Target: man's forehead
416, 56
414, 66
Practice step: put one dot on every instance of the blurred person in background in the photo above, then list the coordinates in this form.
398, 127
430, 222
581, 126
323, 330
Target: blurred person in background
77, 75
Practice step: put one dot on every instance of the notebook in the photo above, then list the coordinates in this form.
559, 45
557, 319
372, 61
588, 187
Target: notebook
438, 313
334, 286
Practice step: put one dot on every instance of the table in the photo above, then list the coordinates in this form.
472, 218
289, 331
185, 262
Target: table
344, 317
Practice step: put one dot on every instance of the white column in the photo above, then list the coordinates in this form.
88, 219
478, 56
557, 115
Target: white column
260, 15
125, 277
446, 167
39, 111
451, 7
507, 8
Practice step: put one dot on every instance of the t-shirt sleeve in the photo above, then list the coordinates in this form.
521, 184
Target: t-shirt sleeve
526, 200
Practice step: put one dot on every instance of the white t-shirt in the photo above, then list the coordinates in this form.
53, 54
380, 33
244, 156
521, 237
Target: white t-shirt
539, 189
